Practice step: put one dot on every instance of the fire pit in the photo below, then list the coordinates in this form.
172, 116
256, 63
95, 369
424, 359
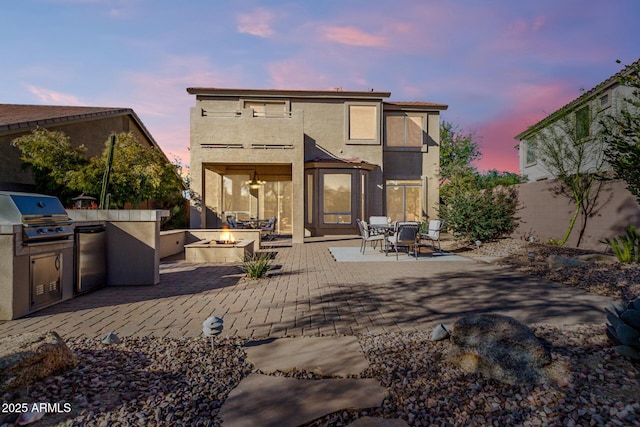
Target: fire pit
223, 250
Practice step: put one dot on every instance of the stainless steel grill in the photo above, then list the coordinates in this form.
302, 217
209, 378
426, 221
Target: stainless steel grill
43, 218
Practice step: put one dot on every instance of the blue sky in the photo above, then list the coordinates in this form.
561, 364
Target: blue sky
500, 65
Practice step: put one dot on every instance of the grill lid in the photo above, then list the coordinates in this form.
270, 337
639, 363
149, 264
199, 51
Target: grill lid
42, 217
29, 207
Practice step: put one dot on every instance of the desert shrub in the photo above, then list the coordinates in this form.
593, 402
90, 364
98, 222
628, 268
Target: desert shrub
472, 214
257, 266
626, 247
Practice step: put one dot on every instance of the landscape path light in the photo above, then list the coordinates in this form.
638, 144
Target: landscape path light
212, 327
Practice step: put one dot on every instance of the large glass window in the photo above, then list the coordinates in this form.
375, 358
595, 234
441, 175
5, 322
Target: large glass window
362, 122
583, 123
403, 130
404, 200
531, 152
274, 198
310, 198
336, 198
277, 201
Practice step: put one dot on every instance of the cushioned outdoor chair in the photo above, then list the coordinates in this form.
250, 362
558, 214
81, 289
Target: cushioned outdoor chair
406, 234
269, 228
433, 234
233, 223
368, 237
376, 219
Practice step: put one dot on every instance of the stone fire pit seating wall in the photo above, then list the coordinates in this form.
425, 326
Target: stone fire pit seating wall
30, 357
499, 347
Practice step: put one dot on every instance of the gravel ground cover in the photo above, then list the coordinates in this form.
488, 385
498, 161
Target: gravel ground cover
184, 382
608, 278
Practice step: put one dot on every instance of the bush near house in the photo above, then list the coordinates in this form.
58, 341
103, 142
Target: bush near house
482, 215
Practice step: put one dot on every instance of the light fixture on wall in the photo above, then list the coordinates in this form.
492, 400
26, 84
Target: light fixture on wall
255, 183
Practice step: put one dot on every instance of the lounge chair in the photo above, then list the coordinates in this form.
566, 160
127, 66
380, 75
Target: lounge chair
433, 234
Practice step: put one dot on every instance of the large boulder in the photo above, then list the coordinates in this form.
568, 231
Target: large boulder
499, 347
32, 356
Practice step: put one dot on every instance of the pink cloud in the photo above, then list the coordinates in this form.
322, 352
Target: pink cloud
352, 36
258, 23
298, 74
48, 96
531, 103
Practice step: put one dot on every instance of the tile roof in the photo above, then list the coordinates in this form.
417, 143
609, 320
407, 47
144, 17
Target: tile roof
610, 82
13, 116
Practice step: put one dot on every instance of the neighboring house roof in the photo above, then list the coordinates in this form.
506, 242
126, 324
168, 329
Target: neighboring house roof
20, 118
587, 96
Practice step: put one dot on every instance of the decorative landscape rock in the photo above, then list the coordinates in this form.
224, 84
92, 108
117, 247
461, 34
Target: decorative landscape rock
29, 357
439, 333
556, 262
499, 347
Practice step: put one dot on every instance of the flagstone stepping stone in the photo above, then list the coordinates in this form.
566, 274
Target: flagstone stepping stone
327, 356
265, 400
378, 422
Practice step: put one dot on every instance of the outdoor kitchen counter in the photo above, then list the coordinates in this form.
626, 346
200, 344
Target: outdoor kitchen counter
133, 243
132, 247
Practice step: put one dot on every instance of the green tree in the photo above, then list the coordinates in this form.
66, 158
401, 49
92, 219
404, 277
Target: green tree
458, 149
53, 161
137, 173
621, 133
570, 151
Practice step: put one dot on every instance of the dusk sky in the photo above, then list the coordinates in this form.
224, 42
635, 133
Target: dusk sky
500, 65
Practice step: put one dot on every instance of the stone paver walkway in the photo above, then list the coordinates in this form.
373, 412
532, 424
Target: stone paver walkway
309, 293
269, 400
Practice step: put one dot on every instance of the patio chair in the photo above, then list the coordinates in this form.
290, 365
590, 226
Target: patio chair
368, 237
269, 228
433, 234
406, 234
378, 220
233, 223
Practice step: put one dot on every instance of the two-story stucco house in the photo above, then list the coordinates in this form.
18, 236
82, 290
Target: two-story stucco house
605, 98
316, 160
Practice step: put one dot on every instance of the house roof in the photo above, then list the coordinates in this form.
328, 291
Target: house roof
20, 118
417, 105
585, 97
338, 93
334, 94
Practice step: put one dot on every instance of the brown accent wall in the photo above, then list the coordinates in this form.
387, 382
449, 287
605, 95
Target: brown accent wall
547, 215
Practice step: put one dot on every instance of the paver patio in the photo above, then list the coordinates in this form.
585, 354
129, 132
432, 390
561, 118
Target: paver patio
309, 293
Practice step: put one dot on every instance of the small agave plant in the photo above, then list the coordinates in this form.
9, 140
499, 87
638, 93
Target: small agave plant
623, 330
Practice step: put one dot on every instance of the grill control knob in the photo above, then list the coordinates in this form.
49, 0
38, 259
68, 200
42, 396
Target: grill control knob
42, 230
60, 228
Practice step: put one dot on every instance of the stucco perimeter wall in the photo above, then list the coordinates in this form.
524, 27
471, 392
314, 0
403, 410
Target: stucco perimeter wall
547, 215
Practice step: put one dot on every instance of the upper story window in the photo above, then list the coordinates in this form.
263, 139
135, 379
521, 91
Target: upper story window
362, 123
267, 108
531, 155
604, 101
583, 123
404, 130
